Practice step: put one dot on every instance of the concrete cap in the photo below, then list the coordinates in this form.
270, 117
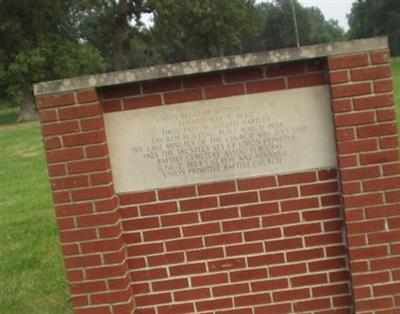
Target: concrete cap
211, 65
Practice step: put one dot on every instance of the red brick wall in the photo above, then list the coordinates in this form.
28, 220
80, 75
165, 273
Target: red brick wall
274, 244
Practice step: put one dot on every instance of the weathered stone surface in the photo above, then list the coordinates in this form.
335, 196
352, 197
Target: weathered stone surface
219, 139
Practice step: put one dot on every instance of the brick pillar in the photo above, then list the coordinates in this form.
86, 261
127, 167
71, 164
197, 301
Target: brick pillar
367, 143
85, 202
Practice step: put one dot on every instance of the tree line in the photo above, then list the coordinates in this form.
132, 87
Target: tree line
44, 40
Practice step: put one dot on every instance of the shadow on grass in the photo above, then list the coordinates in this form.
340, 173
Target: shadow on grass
8, 115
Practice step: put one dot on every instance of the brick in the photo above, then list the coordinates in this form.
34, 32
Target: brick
327, 264
281, 219
58, 128
360, 173
238, 198
348, 61
88, 287
251, 300
323, 239
224, 91
340, 76
379, 57
286, 270
69, 182
262, 234
219, 214
265, 85
279, 193
357, 146
351, 187
248, 274
292, 294
92, 193
330, 290
61, 197
216, 188
205, 254
148, 275
283, 245
244, 249
223, 239
88, 95
98, 150
284, 69
164, 259
77, 235
327, 174
119, 91
81, 111
389, 142
142, 102
201, 229
198, 203
48, 115
243, 74
370, 278
299, 204
381, 184
179, 219
309, 79
348, 161
383, 86
67, 154
385, 263
167, 284
173, 193
312, 305
259, 209
256, 183
302, 229
55, 100
51, 143
202, 80
371, 102
184, 244
161, 234
92, 137
342, 105
392, 196
162, 85
158, 208
214, 304
73, 209
282, 308
92, 124
240, 224
379, 157
265, 259
176, 308
296, 178
377, 130
363, 200
137, 198
101, 178
152, 299
94, 310
112, 105
370, 73
319, 188
231, 289
364, 305
308, 280
226, 264
321, 214
141, 223
186, 269
207, 280
306, 254
367, 253
383, 237
354, 89
365, 226
358, 118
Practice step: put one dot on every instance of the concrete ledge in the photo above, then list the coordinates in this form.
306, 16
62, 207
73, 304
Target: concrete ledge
210, 65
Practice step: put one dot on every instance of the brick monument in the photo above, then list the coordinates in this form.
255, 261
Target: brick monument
260, 183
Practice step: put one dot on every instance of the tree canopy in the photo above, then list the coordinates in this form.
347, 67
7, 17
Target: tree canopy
51, 39
375, 18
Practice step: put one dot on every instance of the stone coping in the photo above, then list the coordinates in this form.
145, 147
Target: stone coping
211, 65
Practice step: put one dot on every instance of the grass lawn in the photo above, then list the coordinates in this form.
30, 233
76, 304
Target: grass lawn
31, 270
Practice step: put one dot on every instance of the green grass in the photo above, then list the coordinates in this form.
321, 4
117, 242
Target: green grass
396, 82
31, 270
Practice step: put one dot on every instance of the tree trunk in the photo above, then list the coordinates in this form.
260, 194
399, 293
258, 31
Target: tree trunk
119, 34
27, 111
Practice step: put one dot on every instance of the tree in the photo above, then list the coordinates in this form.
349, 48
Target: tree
39, 41
278, 27
189, 29
375, 18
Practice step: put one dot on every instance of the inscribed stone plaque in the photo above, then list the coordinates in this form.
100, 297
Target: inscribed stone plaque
225, 138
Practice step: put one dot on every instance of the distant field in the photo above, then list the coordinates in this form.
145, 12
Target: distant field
31, 270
